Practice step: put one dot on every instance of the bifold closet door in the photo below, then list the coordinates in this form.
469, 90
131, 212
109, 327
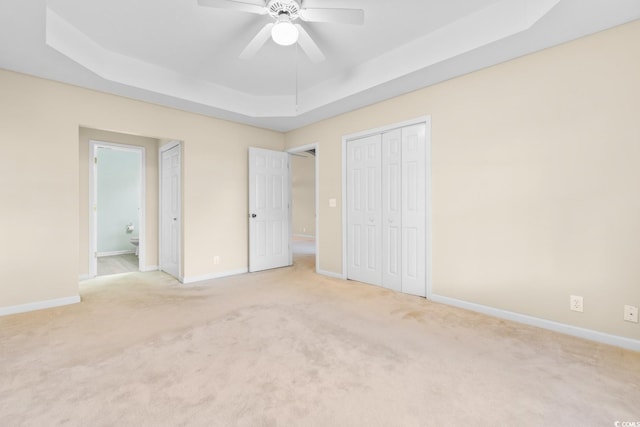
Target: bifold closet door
392, 209
386, 209
403, 210
364, 234
414, 193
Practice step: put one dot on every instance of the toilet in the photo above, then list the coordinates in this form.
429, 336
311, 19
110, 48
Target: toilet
135, 241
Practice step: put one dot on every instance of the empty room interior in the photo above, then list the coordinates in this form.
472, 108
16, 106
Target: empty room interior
320, 212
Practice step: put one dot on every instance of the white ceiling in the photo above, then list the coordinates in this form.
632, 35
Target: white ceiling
176, 53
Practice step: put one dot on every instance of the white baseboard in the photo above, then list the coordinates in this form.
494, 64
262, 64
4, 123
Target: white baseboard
112, 253
330, 274
193, 279
575, 331
39, 305
306, 236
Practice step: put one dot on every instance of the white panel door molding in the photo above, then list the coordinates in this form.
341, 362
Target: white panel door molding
269, 213
364, 234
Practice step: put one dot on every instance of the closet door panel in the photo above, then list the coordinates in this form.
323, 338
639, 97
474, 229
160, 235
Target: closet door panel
364, 234
413, 210
392, 210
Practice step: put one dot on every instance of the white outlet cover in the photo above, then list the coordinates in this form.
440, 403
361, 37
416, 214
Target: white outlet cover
631, 313
576, 303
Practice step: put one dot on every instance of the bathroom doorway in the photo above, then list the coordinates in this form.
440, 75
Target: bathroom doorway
117, 189
304, 204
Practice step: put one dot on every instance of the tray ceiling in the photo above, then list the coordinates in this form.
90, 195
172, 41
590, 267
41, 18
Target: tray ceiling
176, 53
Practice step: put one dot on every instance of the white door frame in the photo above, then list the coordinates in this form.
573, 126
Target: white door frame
301, 149
161, 150
94, 145
345, 139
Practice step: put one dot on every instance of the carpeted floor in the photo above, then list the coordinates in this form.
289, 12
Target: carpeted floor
290, 348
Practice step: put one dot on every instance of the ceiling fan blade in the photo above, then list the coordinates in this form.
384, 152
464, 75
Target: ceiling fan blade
234, 5
258, 41
308, 45
339, 16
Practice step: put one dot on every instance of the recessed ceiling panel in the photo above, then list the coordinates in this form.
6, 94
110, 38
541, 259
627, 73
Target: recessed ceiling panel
205, 42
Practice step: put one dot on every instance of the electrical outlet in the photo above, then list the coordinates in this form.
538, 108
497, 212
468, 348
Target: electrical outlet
216, 260
631, 313
575, 303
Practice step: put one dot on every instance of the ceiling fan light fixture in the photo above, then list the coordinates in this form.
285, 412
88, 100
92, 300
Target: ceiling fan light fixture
284, 32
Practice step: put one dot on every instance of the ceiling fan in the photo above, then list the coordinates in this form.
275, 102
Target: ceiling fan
283, 30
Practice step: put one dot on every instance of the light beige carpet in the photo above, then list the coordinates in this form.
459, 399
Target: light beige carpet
290, 348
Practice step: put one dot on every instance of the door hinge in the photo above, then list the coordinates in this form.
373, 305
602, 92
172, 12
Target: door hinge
95, 160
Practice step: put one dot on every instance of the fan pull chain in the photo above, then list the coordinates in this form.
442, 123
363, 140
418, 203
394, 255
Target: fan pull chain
296, 78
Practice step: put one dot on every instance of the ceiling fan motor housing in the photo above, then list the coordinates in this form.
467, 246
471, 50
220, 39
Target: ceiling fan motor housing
278, 8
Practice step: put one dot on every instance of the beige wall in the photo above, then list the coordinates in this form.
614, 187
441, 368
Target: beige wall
303, 181
151, 146
535, 181
39, 214
535, 172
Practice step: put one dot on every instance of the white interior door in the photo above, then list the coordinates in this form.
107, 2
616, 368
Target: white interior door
269, 209
170, 215
414, 210
364, 234
392, 210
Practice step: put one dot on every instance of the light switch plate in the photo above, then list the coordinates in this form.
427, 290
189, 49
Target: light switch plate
333, 203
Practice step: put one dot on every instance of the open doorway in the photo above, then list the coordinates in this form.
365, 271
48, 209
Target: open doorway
150, 243
304, 224
117, 208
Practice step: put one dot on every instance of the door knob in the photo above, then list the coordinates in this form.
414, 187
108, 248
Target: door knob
253, 215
